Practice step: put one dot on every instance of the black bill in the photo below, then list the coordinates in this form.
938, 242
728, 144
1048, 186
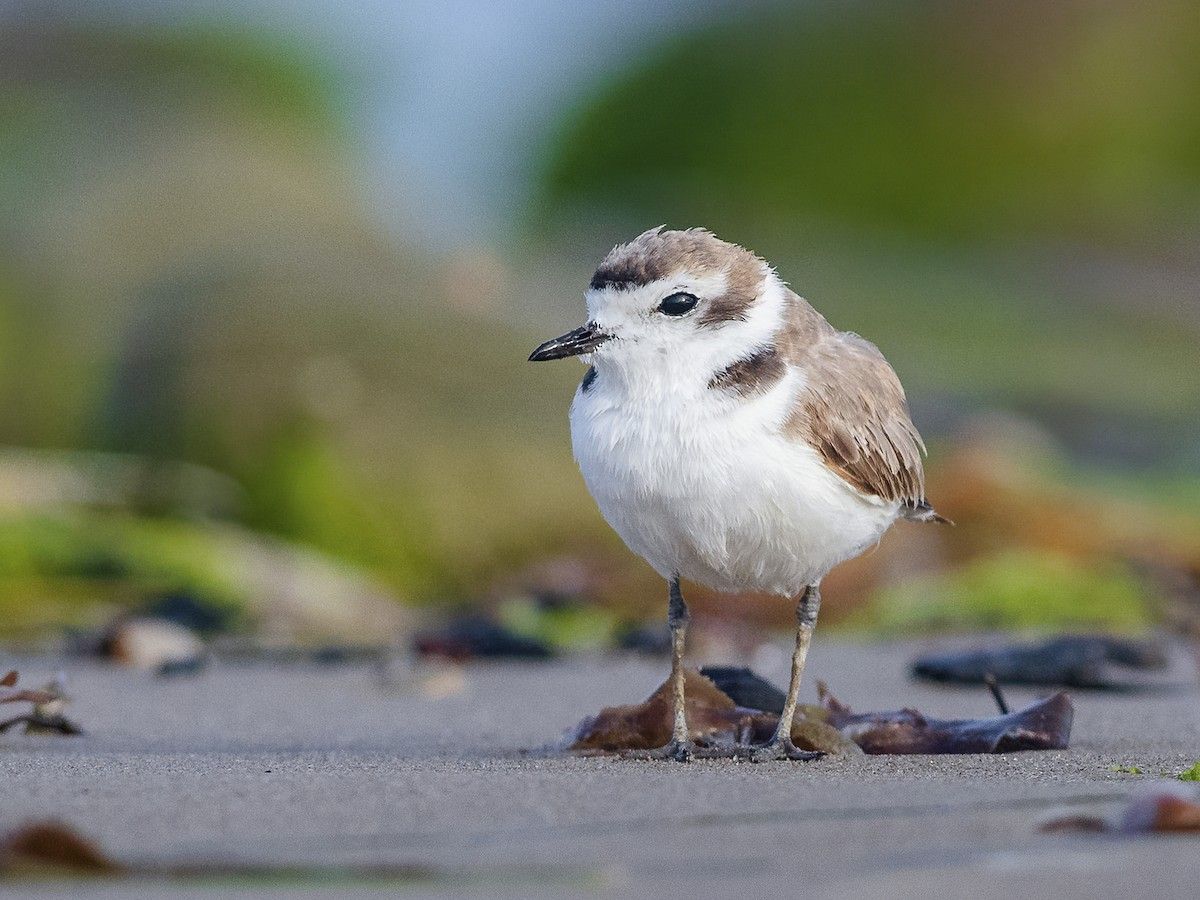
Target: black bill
584, 339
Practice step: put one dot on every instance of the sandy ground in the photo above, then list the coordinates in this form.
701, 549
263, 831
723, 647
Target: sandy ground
311, 765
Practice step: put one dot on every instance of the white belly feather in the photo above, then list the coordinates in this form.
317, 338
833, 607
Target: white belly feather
706, 486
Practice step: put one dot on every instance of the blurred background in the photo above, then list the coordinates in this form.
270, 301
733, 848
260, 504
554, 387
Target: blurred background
270, 271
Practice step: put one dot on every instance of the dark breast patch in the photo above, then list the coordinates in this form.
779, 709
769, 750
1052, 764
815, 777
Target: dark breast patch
589, 378
754, 374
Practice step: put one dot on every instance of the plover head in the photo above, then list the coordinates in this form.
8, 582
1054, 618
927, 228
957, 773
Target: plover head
672, 293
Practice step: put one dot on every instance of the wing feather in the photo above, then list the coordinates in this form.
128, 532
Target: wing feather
854, 412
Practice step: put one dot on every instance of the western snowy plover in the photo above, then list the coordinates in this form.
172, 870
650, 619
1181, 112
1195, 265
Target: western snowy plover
731, 436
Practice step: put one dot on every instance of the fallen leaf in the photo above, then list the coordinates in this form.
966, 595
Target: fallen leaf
1075, 823
22, 695
721, 711
646, 725
1161, 812
52, 847
1044, 725
1095, 662
1158, 809
713, 720
49, 704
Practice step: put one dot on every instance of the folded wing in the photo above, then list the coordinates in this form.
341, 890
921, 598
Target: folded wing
854, 413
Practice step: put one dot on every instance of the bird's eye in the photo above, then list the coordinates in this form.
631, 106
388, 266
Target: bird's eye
678, 304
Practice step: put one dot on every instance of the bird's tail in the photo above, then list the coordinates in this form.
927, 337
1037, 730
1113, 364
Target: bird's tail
923, 512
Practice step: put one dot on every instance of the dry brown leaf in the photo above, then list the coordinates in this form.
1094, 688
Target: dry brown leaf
1158, 809
52, 847
21, 695
713, 719
1075, 824
1167, 810
48, 706
1044, 725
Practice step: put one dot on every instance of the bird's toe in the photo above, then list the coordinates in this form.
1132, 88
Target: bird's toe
782, 750
676, 750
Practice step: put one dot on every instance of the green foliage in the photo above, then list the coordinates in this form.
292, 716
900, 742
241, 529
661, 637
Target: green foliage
76, 568
1192, 774
305, 490
189, 249
933, 118
191, 255
1012, 590
567, 628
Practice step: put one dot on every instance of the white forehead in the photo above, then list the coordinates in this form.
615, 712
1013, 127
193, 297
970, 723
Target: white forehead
612, 303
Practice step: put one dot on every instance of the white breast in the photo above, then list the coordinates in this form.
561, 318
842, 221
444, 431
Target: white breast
704, 484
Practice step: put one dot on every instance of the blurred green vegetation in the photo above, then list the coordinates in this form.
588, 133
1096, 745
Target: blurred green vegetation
1002, 196
567, 627
189, 272
948, 120
77, 569
194, 276
1019, 590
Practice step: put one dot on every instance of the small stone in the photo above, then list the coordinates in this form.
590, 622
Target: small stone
152, 644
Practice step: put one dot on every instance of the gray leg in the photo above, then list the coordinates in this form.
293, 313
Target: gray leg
679, 747
678, 618
781, 746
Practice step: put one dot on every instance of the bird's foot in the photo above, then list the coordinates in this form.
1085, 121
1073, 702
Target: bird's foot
686, 751
781, 749
675, 749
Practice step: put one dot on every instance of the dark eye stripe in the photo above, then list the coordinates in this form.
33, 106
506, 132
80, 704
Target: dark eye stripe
678, 304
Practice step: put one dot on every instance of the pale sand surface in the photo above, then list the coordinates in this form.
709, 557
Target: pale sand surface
310, 765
